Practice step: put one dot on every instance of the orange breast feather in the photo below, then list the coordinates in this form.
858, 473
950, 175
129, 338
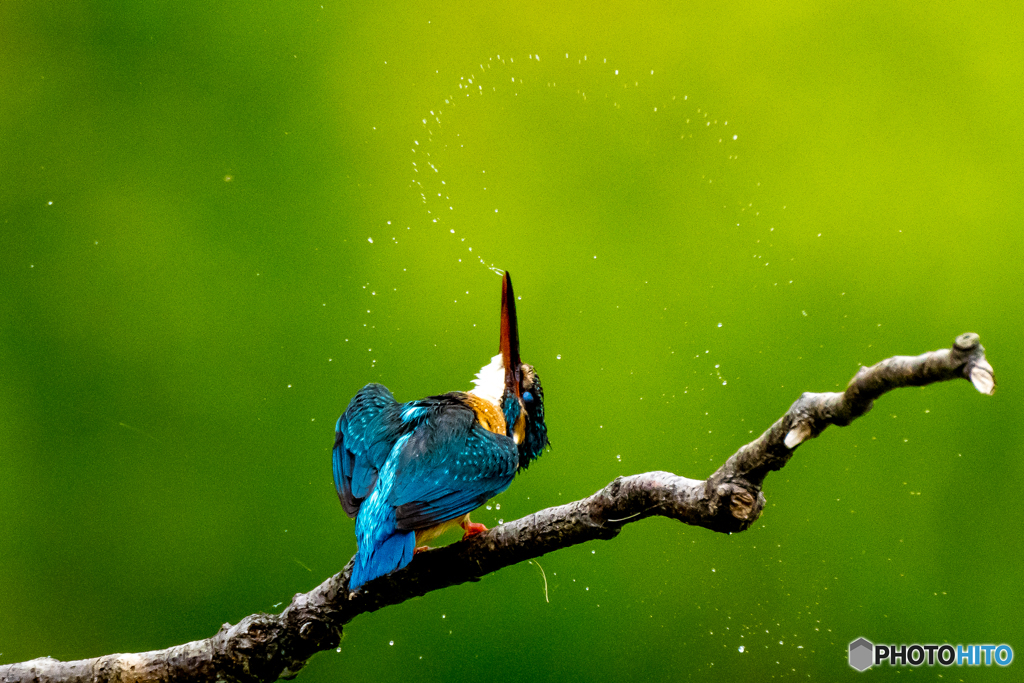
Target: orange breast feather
487, 414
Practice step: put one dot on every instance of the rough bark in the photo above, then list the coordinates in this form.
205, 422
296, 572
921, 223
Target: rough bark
265, 647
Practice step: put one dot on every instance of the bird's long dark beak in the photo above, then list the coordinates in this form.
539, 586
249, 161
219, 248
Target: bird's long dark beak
510, 336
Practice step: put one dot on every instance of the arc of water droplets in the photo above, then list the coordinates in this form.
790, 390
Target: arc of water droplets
437, 200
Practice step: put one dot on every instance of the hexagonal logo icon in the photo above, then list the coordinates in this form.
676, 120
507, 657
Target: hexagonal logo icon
861, 654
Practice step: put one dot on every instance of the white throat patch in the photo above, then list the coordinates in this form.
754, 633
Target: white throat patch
490, 381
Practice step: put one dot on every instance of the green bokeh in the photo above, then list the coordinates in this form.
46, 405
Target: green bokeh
218, 221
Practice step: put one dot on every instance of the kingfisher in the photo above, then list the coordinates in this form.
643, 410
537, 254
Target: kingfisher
408, 472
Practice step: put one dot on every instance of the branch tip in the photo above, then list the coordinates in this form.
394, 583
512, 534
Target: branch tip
983, 377
967, 341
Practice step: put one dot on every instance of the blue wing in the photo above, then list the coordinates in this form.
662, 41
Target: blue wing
365, 434
449, 466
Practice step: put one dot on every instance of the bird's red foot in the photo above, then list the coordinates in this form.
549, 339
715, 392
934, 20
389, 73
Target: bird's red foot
421, 549
472, 529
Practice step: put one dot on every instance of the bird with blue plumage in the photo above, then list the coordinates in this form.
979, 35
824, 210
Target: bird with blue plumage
407, 472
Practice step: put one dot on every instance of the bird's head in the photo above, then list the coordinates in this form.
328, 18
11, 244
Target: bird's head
514, 386
522, 401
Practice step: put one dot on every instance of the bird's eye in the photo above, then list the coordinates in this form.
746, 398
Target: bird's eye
527, 397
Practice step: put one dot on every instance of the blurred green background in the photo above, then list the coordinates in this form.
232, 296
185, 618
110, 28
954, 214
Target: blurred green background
219, 220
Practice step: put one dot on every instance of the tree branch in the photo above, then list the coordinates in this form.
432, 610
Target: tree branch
264, 647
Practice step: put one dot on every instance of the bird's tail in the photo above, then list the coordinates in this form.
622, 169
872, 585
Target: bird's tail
379, 557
